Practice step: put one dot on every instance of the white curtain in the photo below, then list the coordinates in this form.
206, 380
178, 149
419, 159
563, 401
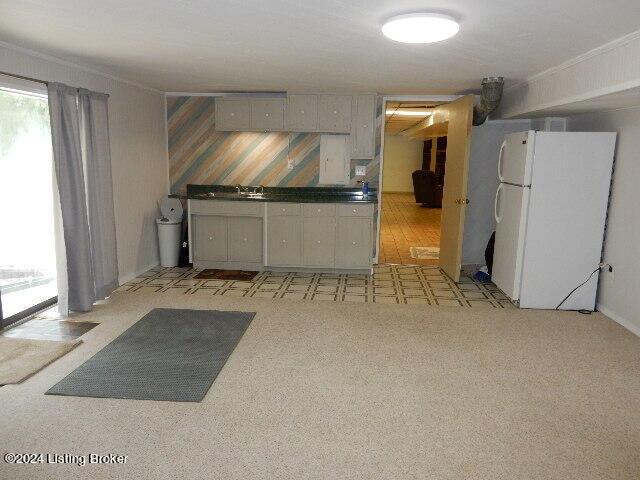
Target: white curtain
82, 162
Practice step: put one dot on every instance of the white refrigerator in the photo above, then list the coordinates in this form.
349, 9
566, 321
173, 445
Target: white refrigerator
550, 212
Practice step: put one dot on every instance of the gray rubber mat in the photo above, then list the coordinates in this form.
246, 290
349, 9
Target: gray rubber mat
169, 354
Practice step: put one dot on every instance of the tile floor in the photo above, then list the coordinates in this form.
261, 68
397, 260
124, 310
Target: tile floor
405, 224
419, 284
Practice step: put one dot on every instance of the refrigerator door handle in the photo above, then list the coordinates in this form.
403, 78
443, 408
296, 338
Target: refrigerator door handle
495, 205
502, 148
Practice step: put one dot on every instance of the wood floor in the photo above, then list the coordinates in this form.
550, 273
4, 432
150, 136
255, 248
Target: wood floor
406, 224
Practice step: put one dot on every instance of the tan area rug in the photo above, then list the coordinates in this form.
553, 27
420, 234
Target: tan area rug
425, 253
20, 358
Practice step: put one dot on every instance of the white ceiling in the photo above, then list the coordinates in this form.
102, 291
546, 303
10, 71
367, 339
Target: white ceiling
206, 45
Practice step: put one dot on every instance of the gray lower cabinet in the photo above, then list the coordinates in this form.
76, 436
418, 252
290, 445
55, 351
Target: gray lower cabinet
210, 238
284, 240
318, 243
244, 239
353, 243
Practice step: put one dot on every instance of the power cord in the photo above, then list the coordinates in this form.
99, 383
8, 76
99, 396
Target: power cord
583, 283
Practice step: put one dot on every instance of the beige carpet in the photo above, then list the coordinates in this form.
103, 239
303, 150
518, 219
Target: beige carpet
21, 358
351, 391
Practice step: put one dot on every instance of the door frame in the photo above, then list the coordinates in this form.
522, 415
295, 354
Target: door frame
397, 98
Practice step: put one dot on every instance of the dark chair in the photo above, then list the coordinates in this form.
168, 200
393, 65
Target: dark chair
426, 189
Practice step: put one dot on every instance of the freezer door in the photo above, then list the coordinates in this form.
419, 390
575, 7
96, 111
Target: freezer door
516, 157
510, 212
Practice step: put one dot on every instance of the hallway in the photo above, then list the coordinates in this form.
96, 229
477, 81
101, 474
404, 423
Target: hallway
406, 224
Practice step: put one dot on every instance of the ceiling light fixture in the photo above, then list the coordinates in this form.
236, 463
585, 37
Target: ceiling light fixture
409, 113
420, 28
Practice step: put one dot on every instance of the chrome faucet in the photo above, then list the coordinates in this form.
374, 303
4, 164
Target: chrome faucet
239, 188
261, 187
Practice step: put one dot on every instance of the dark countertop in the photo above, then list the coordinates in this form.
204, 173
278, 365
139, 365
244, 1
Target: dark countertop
281, 194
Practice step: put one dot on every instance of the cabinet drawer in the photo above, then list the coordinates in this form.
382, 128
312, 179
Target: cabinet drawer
319, 210
267, 114
245, 239
353, 244
318, 242
210, 238
225, 207
355, 210
284, 241
283, 209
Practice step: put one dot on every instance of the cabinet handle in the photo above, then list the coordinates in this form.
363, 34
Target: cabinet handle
284, 241
232, 114
355, 243
319, 210
318, 241
244, 239
284, 209
335, 112
302, 112
266, 114
365, 126
355, 211
210, 238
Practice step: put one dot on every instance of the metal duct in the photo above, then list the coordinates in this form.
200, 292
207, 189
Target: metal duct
490, 97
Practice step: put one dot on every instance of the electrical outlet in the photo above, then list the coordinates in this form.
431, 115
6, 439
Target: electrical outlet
361, 170
290, 164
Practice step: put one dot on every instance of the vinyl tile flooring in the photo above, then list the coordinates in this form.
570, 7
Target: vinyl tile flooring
394, 284
405, 224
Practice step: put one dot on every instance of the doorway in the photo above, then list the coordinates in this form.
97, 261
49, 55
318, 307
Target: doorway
28, 277
412, 185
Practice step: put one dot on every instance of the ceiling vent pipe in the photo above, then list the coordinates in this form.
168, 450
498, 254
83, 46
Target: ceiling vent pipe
490, 97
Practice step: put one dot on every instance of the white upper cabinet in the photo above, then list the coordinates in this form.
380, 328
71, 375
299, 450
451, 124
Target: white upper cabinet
302, 113
363, 126
233, 114
334, 159
334, 113
267, 114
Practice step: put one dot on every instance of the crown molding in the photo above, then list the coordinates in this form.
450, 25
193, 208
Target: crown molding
67, 63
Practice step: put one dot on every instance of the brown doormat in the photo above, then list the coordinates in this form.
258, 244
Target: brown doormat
213, 273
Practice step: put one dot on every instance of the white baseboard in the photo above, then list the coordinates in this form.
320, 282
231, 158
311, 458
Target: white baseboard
122, 279
635, 329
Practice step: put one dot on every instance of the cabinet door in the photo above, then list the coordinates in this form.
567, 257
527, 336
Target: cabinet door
284, 240
334, 159
267, 114
233, 114
318, 244
210, 238
334, 113
302, 113
353, 245
363, 126
245, 239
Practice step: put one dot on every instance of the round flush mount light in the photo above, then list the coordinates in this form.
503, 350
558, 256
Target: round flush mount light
420, 28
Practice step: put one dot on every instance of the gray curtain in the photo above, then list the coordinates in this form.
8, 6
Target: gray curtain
82, 161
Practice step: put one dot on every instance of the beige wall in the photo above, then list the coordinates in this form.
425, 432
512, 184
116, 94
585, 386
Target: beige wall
618, 292
402, 157
138, 150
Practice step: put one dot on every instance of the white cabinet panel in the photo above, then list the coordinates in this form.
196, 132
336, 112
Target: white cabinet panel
267, 114
284, 240
363, 126
353, 245
302, 113
210, 238
334, 159
245, 239
318, 244
233, 114
334, 113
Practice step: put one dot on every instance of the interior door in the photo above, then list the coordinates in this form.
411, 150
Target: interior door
454, 197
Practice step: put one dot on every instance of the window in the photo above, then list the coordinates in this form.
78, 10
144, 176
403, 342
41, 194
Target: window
27, 242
